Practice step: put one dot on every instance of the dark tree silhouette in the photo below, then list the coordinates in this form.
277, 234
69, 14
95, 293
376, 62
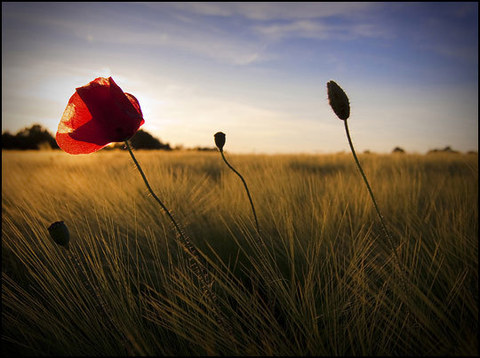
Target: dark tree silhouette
144, 140
35, 137
447, 149
398, 150
8, 140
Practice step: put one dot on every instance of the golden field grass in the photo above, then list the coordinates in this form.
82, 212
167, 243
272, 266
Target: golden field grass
325, 283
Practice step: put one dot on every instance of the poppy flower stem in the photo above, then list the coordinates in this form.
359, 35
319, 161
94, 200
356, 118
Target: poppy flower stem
246, 188
382, 221
195, 264
151, 191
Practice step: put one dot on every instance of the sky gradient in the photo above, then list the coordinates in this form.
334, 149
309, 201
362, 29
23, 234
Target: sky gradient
256, 71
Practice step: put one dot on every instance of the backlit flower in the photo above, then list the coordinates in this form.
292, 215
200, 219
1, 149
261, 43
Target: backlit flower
98, 114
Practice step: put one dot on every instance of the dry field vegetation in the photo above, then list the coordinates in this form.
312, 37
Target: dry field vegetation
325, 282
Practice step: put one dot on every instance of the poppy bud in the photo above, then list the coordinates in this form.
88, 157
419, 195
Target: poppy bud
59, 233
220, 140
338, 100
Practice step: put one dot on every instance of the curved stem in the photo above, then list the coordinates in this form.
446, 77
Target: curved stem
382, 221
196, 265
151, 191
246, 188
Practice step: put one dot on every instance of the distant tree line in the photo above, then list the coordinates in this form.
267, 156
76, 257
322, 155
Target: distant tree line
144, 140
447, 149
36, 137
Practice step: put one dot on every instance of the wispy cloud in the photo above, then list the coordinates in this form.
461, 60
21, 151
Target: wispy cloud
290, 20
266, 11
320, 30
301, 28
134, 30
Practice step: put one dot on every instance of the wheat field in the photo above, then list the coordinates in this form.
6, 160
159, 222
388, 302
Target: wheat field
320, 278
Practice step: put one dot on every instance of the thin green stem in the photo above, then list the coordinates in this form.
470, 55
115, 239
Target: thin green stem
246, 188
382, 221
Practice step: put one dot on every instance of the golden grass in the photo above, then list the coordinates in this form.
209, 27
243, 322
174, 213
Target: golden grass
322, 286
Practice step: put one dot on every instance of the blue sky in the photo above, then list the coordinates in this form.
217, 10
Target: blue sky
256, 71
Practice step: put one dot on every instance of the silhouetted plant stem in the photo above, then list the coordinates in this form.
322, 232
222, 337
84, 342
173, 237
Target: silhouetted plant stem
246, 188
382, 221
188, 245
151, 191
196, 265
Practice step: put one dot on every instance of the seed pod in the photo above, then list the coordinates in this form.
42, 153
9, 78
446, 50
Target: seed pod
59, 233
220, 140
338, 100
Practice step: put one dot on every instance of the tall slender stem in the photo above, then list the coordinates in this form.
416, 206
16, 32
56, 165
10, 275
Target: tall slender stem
186, 241
151, 191
246, 188
195, 264
382, 221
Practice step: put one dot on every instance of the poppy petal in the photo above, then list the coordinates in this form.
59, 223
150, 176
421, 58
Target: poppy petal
98, 114
69, 137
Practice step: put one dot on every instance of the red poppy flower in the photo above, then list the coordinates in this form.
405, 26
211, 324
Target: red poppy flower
98, 114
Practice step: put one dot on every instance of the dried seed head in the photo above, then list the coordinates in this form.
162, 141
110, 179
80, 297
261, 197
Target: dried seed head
338, 100
59, 233
220, 140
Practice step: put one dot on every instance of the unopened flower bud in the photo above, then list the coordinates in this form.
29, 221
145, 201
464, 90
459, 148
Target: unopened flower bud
338, 100
59, 233
220, 140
